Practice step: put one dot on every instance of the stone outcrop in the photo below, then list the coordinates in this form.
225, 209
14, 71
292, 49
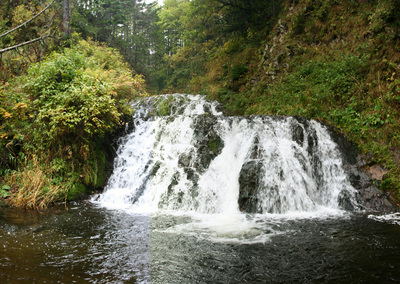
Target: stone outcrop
363, 177
249, 181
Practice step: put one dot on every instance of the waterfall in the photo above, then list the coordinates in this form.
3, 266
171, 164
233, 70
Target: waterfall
185, 155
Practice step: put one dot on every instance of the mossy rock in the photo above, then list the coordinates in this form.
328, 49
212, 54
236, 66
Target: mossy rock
164, 108
76, 191
215, 145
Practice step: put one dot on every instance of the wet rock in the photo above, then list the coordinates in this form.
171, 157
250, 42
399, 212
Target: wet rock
344, 200
377, 199
207, 108
184, 160
317, 174
377, 172
297, 129
347, 149
207, 142
249, 182
312, 139
255, 151
365, 179
155, 168
192, 175
174, 182
298, 134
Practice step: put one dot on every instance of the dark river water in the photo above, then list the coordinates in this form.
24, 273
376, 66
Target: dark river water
88, 244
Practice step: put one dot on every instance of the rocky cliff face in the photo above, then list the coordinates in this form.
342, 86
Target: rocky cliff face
365, 178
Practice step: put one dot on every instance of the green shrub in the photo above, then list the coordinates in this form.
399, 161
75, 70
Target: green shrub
238, 71
72, 103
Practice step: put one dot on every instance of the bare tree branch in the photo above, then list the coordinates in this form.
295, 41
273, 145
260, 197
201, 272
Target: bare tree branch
22, 44
23, 24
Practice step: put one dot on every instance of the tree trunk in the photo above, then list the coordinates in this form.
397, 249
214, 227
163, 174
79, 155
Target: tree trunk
66, 17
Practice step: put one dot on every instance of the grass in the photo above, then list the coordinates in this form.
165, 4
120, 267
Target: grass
35, 189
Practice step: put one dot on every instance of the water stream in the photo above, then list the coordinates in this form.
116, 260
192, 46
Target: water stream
196, 160
198, 197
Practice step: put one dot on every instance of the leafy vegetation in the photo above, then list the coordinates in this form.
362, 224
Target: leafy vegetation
58, 122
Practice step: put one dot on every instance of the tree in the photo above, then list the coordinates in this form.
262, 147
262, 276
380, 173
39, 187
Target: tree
66, 17
24, 34
125, 24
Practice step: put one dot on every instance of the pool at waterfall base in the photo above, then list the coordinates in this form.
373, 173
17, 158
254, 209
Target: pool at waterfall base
90, 244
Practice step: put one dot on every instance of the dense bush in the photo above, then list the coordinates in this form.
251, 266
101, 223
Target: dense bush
59, 125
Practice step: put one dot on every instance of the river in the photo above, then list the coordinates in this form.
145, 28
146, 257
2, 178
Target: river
91, 244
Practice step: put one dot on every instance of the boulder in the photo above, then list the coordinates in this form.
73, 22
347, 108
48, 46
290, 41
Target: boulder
249, 181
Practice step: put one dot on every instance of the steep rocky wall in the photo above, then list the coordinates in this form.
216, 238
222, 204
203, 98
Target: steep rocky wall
364, 176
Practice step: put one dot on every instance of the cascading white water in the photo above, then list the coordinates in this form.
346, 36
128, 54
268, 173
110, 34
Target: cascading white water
195, 159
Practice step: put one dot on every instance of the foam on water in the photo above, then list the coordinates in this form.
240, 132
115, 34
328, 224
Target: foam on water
388, 218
